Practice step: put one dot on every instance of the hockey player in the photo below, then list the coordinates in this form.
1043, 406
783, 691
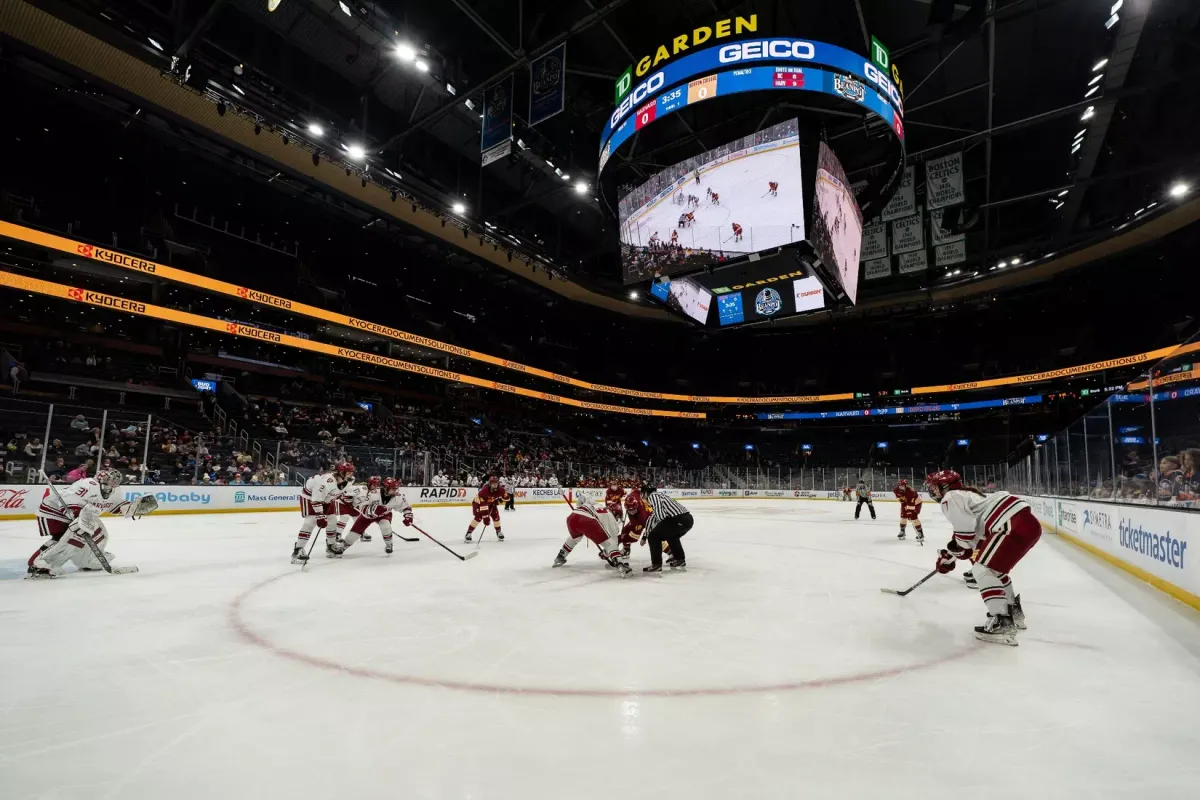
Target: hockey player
319, 499
598, 525
637, 513
847, 493
1002, 529
374, 506
737, 232
76, 510
864, 496
910, 509
675, 233
614, 500
716, 199
347, 505
773, 188
486, 506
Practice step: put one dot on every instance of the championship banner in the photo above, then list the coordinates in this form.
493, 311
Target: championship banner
952, 253
908, 234
944, 181
496, 153
877, 268
547, 84
915, 261
904, 201
497, 114
937, 233
874, 242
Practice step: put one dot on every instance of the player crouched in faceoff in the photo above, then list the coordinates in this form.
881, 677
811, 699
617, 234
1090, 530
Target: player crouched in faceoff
1002, 529
599, 525
374, 504
74, 511
910, 509
486, 506
318, 499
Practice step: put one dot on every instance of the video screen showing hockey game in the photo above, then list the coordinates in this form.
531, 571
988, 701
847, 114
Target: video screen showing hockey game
688, 297
743, 197
837, 223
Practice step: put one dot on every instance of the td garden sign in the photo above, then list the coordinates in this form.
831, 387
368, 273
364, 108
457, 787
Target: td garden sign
723, 29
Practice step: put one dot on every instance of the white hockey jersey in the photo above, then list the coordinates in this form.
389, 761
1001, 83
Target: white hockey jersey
608, 523
81, 493
974, 517
321, 490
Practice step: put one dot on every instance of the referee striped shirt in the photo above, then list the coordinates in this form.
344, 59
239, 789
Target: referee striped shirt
663, 507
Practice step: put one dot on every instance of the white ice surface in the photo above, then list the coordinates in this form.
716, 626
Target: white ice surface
767, 221
774, 668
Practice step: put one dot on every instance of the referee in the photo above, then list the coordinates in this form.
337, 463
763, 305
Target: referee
668, 521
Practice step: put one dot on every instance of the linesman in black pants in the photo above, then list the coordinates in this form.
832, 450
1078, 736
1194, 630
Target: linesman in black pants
864, 496
668, 521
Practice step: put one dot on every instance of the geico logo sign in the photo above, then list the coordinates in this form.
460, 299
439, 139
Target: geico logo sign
1162, 548
171, 497
880, 79
442, 492
634, 98
778, 49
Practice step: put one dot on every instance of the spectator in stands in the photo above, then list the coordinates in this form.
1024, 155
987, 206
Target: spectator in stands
56, 449
82, 449
33, 448
237, 480
80, 472
58, 471
80, 423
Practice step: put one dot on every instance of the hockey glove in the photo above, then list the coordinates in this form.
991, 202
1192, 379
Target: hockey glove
957, 550
408, 518
945, 563
140, 507
322, 522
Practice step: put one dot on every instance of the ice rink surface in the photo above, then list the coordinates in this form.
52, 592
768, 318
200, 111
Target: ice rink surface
773, 668
767, 221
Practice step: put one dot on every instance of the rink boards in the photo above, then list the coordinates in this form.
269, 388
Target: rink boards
20, 501
1159, 545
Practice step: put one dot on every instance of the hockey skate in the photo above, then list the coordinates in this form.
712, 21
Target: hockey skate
920, 537
561, 558
653, 568
298, 555
999, 629
677, 564
40, 573
467, 538
900, 536
364, 536
499, 535
334, 548
970, 579
626, 570
387, 547
1018, 614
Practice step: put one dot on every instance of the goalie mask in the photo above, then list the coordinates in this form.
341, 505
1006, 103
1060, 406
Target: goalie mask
109, 480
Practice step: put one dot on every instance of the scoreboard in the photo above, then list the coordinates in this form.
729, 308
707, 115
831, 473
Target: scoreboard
753, 79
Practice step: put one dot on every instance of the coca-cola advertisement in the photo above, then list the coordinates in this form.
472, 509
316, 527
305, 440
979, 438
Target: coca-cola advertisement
17, 502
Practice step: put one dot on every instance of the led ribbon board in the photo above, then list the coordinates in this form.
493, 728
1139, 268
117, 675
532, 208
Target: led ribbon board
135, 264
115, 303
927, 408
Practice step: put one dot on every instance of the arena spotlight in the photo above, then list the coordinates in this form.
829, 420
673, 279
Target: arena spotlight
633, 295
458, 208
1179, 190
581, 188
315, 129
356, 152
1088, 113
405, 52
1101, 64
422, 65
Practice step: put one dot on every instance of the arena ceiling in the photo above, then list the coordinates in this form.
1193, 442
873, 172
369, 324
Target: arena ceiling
1006, 81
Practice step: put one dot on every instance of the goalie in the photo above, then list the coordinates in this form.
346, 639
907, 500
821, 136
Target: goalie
65, 516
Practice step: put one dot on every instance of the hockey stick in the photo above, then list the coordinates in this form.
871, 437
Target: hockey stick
469, 555
87, 537
311, 544
905, 592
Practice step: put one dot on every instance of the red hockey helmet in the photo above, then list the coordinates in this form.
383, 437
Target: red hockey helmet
343, 472
374, 481
391, 487
943, 481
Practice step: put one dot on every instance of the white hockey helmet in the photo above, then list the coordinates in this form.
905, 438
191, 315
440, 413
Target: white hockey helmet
109, 480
